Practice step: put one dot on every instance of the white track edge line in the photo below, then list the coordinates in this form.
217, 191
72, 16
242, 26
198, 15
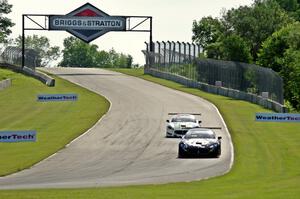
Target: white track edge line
230, 139
77, 138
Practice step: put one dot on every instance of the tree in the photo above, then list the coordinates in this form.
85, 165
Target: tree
251, 25
234, 48
292, 7
291, 76
5, 23
206, 31
129, 61
41, 45
281, 52
114, 57
103, 59
214, 50
274, 48
77, 53
256, 23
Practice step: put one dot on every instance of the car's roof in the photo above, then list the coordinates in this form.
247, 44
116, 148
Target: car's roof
184, 116
201, 131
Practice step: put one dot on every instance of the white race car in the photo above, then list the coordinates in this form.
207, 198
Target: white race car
180, 123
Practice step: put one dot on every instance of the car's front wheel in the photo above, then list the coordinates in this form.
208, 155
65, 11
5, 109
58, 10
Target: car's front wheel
168, 135
218, 153
181, 153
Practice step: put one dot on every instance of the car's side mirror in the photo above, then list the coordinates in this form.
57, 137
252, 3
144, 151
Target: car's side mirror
199, 121
219, 138
168, 121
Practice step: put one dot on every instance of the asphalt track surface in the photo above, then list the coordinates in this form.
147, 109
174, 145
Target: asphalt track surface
128, 145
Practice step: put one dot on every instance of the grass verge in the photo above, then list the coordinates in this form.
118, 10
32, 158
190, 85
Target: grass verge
266, 160
56, 123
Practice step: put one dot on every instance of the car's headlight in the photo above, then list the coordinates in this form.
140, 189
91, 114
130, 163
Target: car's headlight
213, 145
184, 145
170, 127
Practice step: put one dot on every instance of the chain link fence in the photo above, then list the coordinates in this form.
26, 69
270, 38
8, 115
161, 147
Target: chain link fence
11, 58
170, 52
182, 59
13, 55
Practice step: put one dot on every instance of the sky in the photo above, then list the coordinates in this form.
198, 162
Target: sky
172, 20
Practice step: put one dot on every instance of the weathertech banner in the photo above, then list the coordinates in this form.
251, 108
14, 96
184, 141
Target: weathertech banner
57, 97
17, 136
277, 117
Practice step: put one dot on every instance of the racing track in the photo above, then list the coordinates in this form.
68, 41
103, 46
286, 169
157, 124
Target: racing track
128, 146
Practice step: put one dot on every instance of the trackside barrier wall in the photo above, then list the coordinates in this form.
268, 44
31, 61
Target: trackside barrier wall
49, 81
236, 94
5, 84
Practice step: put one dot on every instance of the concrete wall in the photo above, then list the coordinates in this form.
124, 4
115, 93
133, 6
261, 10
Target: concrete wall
236, 94
5, 84
49, 81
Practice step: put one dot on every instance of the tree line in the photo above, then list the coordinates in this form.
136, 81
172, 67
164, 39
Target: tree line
77, 53
266, 33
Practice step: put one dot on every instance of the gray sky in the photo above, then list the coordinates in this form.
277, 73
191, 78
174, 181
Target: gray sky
172, 19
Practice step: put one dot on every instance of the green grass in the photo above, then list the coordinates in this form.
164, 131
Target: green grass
56, 123
5, 74
267, 161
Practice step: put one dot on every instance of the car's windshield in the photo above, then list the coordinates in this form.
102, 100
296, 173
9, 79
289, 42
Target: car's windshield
200, 135
183, 119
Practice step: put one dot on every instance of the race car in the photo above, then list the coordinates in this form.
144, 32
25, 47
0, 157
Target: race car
180, 123
199, 142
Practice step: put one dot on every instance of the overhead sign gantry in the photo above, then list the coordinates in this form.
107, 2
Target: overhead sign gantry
86, 23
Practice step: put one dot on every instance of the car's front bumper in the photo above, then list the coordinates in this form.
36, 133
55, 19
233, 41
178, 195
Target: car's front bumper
200, 151
177, 133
